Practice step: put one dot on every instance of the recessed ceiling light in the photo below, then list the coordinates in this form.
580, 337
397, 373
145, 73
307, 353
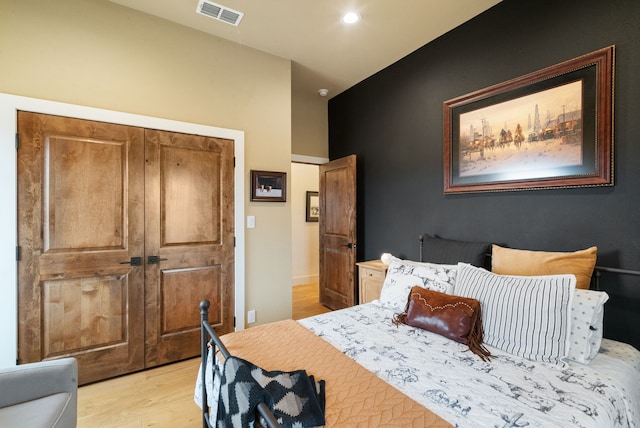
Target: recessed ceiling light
350, 18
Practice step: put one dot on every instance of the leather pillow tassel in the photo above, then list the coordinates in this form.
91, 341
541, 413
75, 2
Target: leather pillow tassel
454, 317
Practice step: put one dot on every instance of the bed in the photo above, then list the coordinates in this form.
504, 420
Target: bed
378, 373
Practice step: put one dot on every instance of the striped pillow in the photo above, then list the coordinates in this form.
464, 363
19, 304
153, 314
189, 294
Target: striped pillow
528, 316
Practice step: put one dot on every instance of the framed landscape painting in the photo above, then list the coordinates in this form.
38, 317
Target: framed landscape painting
548, 129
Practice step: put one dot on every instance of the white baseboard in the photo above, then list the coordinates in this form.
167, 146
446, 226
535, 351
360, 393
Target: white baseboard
304, 280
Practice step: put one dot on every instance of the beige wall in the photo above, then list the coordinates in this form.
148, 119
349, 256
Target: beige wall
310, 123
96, 53
305, 235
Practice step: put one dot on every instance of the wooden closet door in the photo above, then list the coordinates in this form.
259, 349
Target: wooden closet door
189, 241
80, 223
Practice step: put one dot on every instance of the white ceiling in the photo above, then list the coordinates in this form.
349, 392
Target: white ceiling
326, 53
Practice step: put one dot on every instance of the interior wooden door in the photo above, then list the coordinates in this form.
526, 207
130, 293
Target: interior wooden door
80, 225
338, 233
189, 241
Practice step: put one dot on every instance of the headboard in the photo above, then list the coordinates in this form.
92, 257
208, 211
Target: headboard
622, 319
467, 249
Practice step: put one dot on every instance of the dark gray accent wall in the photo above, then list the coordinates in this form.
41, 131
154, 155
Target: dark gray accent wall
393, 122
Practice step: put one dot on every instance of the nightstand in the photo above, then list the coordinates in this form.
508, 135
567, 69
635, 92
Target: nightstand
370, 280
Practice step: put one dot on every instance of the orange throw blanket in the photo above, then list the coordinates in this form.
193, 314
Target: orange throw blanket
355, 397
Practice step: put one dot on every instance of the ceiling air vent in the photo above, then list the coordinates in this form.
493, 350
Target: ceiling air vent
219, 12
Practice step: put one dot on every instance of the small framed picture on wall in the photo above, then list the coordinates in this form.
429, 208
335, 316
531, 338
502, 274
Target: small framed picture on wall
313, 206
268, 186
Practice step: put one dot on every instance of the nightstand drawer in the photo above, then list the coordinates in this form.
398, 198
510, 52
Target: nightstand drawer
374, 274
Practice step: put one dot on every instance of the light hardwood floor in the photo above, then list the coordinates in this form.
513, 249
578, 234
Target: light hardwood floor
159, 397
306, 302
163, 396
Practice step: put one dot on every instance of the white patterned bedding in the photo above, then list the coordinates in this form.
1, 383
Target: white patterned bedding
508, 391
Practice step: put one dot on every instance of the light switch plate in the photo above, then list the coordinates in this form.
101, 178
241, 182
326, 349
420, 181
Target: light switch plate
251, 222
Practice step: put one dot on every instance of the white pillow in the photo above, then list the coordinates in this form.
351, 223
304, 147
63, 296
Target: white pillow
595, 341
587, 313
528, 316
404, 274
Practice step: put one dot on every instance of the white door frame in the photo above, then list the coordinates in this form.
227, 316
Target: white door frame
9, 106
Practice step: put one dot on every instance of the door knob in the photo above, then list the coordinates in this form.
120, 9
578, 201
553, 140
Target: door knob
135, 261
154, 260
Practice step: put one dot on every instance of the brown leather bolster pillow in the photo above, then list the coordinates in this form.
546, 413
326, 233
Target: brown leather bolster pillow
454, 317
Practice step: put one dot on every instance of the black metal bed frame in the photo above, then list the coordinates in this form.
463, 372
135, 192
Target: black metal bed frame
598, 269
209, 337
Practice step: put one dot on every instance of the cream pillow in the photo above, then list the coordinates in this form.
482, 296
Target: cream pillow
508, 261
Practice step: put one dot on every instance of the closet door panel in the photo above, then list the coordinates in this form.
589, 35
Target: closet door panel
80, 223
189, 241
